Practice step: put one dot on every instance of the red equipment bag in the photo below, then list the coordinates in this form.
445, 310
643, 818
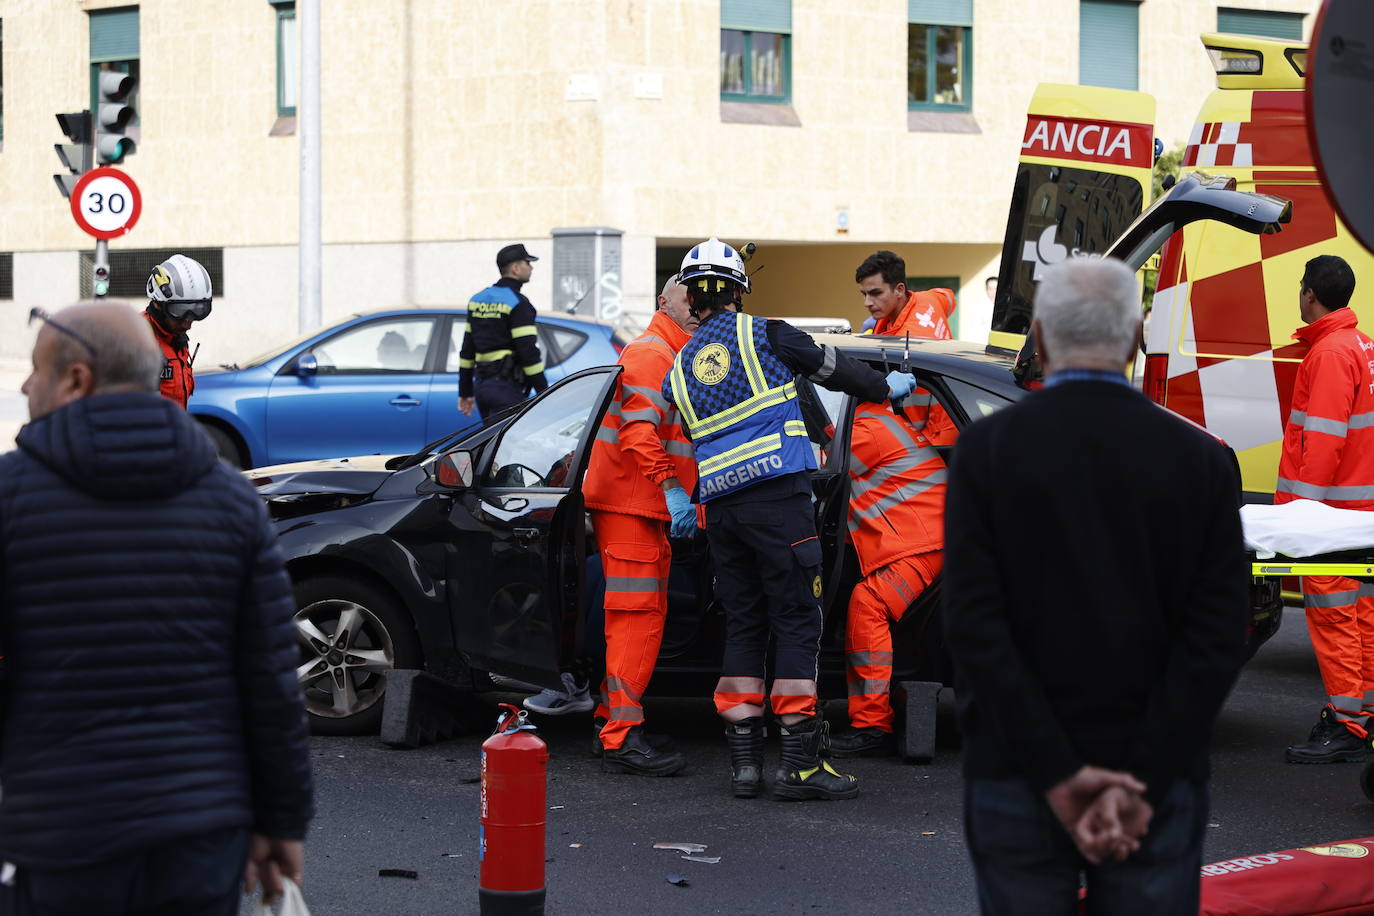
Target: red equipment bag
1333, 880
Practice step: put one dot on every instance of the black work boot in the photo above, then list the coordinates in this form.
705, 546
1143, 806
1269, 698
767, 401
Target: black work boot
862, 742
1330, 742
802, 773
746, 755
641, 758
656, 741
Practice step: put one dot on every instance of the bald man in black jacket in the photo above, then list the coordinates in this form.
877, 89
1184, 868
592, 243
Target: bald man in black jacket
1095, 607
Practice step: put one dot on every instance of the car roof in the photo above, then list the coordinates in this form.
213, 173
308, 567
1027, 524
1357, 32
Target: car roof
453, 309
959, 358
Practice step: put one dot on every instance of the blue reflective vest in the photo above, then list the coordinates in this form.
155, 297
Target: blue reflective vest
739, 404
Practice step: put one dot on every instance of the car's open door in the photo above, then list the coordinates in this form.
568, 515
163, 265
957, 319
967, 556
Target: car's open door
518, 537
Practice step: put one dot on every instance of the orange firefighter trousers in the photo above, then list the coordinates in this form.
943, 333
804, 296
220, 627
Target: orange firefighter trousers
1340, 622
879, 601
636, 559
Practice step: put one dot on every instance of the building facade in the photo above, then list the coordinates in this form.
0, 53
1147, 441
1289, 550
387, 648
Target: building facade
605, 134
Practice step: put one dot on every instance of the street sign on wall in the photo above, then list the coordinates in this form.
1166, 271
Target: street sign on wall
106, 203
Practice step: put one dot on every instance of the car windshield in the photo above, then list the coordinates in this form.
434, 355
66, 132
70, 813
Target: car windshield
278, 350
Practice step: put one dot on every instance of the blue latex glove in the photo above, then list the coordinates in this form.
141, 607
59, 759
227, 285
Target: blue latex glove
684, 523
900, 384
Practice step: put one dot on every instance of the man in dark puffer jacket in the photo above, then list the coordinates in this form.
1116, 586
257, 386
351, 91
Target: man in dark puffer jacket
153, 751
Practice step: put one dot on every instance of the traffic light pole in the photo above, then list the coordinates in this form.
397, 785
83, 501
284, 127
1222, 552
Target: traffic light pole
308, 125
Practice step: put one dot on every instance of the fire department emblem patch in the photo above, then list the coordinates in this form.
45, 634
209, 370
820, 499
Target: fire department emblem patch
816, 587
1339, 850
711, 364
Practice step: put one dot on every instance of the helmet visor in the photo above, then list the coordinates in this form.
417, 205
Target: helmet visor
187, 309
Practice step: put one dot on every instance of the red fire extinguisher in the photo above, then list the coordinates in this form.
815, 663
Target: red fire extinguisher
514, 765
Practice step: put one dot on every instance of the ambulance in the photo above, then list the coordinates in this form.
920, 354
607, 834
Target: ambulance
1218, 347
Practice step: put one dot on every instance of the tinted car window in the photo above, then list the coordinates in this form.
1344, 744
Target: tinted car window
563, 343
391, 345
977, 403
537, 449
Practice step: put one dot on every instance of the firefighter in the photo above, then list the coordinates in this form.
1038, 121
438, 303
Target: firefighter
1328, 456
637, 485
898, 310
896, 523
734, 385
500, 346
179, 293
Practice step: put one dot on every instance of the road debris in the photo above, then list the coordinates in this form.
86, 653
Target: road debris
678, 880
682, 847
709, 860
397, 873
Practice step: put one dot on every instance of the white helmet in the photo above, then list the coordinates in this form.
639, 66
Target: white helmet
713, 258
182, 287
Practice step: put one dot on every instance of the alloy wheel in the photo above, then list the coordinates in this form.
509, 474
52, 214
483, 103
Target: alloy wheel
346, 652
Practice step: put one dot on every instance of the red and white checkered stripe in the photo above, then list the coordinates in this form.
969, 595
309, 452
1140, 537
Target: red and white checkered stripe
1217, 144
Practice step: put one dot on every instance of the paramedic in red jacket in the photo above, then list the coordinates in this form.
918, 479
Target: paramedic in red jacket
179, 293
641, 471
1328, 456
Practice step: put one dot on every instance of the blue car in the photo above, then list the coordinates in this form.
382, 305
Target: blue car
379, 383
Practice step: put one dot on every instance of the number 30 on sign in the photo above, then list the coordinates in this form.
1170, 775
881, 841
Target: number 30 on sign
106, 203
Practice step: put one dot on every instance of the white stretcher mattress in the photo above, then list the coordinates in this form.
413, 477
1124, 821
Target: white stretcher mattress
1304, 528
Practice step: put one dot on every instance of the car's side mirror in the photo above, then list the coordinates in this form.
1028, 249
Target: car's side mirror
454, 469
307, 365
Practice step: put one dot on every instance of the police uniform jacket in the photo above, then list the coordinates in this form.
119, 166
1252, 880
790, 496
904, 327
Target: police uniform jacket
501, 339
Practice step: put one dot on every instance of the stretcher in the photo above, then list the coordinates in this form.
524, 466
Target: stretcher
1307, 538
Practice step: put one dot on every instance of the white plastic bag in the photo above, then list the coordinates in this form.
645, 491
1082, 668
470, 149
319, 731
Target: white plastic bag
291, 903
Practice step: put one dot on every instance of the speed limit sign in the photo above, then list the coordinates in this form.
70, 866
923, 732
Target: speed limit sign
106, 203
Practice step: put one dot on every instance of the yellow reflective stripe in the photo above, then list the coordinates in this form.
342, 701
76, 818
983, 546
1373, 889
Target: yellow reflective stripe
535, 368
524, 330
492, 356
795, 428
684, 403
464, 363
743, 410
752, 449
745, 338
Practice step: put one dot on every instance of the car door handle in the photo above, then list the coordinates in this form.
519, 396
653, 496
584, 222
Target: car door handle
403, 400
525, 535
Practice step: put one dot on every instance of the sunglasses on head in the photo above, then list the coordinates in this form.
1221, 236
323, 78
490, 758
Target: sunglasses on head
43, 316
187, 309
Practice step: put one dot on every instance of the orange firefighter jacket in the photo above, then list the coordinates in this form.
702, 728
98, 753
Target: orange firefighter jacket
926, 314
1328, 443
641, 442
896, 489
177, 383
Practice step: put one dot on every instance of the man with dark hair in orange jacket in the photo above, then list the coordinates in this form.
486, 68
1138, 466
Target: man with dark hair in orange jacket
896, 523
1328, 456
641, 471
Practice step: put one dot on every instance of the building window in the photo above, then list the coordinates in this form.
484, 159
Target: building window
1260, 22
939, 55
130, 267
755, 50
1108, 43
287, 70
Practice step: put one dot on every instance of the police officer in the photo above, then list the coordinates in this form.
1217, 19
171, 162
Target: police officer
733, 384
179, 293
500, 346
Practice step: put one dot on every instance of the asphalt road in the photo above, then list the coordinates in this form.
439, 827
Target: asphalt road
897, 849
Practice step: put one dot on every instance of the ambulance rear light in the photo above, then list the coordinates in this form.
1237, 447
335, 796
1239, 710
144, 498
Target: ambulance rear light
1235, 60
1156, 376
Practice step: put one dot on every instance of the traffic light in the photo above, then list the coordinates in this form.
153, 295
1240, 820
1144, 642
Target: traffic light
100, 280
114, 117
75, 156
